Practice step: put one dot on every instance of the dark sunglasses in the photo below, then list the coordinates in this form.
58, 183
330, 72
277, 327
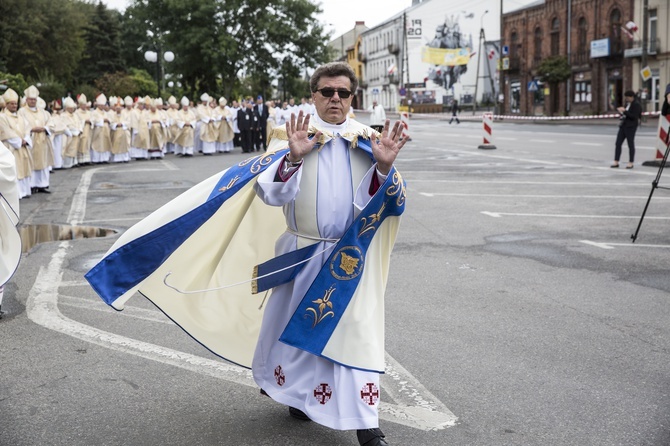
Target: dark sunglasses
330, 92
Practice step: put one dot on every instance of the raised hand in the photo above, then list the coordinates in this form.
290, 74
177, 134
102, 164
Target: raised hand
386, 150
298, 137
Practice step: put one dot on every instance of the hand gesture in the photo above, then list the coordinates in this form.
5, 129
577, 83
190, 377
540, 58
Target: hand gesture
386, 150
299, 143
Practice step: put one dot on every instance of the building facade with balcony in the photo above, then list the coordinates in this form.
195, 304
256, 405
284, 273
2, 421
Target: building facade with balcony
655, 54
593, 42
380, 53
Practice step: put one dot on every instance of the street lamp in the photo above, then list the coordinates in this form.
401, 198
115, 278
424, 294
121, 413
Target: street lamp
152, 56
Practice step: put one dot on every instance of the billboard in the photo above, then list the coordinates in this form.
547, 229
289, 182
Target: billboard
443, 40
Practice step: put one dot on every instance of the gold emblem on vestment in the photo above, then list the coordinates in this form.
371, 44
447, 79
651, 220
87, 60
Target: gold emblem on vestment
348, 263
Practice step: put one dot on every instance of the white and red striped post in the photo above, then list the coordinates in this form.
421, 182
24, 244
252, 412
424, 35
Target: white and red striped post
487, 121
404, 122
661, 140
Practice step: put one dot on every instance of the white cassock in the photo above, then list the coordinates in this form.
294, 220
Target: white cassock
330, 394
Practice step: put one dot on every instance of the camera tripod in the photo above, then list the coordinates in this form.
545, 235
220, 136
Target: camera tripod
654, 186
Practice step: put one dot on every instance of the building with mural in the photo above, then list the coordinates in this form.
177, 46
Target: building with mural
429, 54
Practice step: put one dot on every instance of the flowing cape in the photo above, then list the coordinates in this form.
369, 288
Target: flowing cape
10, 240
218, 233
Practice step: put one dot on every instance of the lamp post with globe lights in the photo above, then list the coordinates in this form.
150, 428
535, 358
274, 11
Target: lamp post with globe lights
153, 57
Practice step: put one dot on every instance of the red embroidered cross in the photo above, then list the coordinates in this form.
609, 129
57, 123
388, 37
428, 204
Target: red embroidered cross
279, 376
370, 391
323, 393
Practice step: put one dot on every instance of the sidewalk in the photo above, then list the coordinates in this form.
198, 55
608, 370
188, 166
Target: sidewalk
647, 122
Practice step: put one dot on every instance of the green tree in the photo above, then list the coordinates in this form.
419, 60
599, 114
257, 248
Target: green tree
14, 81
554, 70
217, 43
103, 44
41, 33
117, 84
146, 86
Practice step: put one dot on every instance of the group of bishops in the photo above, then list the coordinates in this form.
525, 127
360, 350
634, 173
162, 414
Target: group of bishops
119, 129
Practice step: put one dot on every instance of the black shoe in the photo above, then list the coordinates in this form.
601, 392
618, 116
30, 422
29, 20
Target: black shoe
614, 166
43, 190
371, 437
299, 414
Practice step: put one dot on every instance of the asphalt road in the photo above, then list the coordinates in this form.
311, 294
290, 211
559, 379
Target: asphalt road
518, 310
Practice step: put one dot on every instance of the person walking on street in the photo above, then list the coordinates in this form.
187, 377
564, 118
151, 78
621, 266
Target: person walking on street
454, 111
629, 120
377, 116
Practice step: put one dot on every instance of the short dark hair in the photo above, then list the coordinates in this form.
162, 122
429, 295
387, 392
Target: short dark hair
629, 93
333, 69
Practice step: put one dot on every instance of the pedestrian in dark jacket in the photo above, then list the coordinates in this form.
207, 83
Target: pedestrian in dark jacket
454, 111
628, 122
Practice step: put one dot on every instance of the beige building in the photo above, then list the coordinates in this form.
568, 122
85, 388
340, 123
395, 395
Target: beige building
341, 44
657, 54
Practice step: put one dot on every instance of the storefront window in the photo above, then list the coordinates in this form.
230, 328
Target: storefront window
515, 97
582, 92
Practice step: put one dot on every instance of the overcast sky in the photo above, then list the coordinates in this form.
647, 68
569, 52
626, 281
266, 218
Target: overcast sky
341, 15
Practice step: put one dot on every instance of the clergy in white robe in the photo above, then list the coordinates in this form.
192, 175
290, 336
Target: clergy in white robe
101, 141
320, 346
73, 129
322, 191
186, 122
15, 134
84, 115
57, 129
42, 151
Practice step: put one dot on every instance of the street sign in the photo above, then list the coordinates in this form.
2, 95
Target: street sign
533, 85
505, 50
505, 63
402, 91
645, 73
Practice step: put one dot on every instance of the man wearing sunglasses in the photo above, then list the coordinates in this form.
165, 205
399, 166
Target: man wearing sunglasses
332, 170
313, 220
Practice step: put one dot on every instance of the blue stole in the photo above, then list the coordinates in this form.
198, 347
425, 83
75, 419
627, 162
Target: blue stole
322, 307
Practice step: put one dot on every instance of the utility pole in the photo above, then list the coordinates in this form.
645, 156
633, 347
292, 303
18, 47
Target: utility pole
645, 49
569, 82
500, 106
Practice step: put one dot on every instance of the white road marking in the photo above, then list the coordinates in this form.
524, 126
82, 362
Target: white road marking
100, 306
608, 197
607, 245
416, 407
143, 188
106, 220
587, 144
509, 214
542, 140
553, 183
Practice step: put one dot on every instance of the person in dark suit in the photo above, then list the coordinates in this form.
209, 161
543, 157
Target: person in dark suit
261, 112
628, 122
665, 110
245, 119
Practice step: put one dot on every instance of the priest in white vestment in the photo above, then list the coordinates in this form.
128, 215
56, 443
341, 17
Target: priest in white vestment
313, 221
42, 152
319, 205
15, 134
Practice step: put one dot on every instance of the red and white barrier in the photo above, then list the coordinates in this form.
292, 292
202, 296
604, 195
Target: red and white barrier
487, 122
404, 121
661, 140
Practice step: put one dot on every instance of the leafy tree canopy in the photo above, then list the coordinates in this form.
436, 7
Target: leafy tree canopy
554, 70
